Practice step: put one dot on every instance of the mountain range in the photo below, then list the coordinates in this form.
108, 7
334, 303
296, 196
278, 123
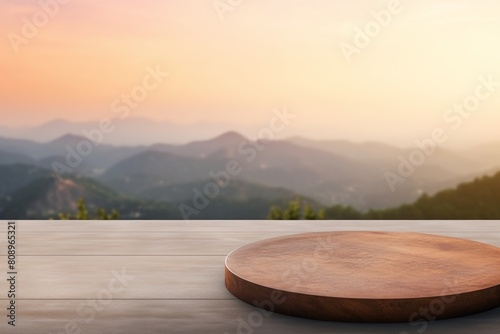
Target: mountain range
155, 179
146, 131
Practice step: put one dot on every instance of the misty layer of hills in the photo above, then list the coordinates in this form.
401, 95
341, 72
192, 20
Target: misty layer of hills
152, 181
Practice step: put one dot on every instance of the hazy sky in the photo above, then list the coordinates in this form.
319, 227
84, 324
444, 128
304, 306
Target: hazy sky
263, 54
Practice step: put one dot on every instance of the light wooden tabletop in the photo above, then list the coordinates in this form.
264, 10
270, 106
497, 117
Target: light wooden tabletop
168, 277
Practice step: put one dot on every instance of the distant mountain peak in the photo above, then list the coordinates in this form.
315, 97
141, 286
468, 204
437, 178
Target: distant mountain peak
69, 137
230, 136
227, 138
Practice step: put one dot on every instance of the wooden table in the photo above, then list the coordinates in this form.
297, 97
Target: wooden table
178, 271
366, 276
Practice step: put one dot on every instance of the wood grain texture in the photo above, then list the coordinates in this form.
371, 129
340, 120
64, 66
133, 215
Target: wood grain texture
367, 276
146, 277
189, 243
214, 226
212, 317
63, 264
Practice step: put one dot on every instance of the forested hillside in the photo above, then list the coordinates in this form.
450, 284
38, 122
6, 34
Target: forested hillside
479, 199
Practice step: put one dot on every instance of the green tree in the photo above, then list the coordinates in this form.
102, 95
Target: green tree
82, 213
276, 213
296, 211
103, 215
309, 213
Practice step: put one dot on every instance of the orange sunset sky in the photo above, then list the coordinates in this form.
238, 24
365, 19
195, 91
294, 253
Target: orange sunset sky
263, 54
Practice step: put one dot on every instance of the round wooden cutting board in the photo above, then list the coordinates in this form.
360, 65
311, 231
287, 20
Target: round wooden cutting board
367, 276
